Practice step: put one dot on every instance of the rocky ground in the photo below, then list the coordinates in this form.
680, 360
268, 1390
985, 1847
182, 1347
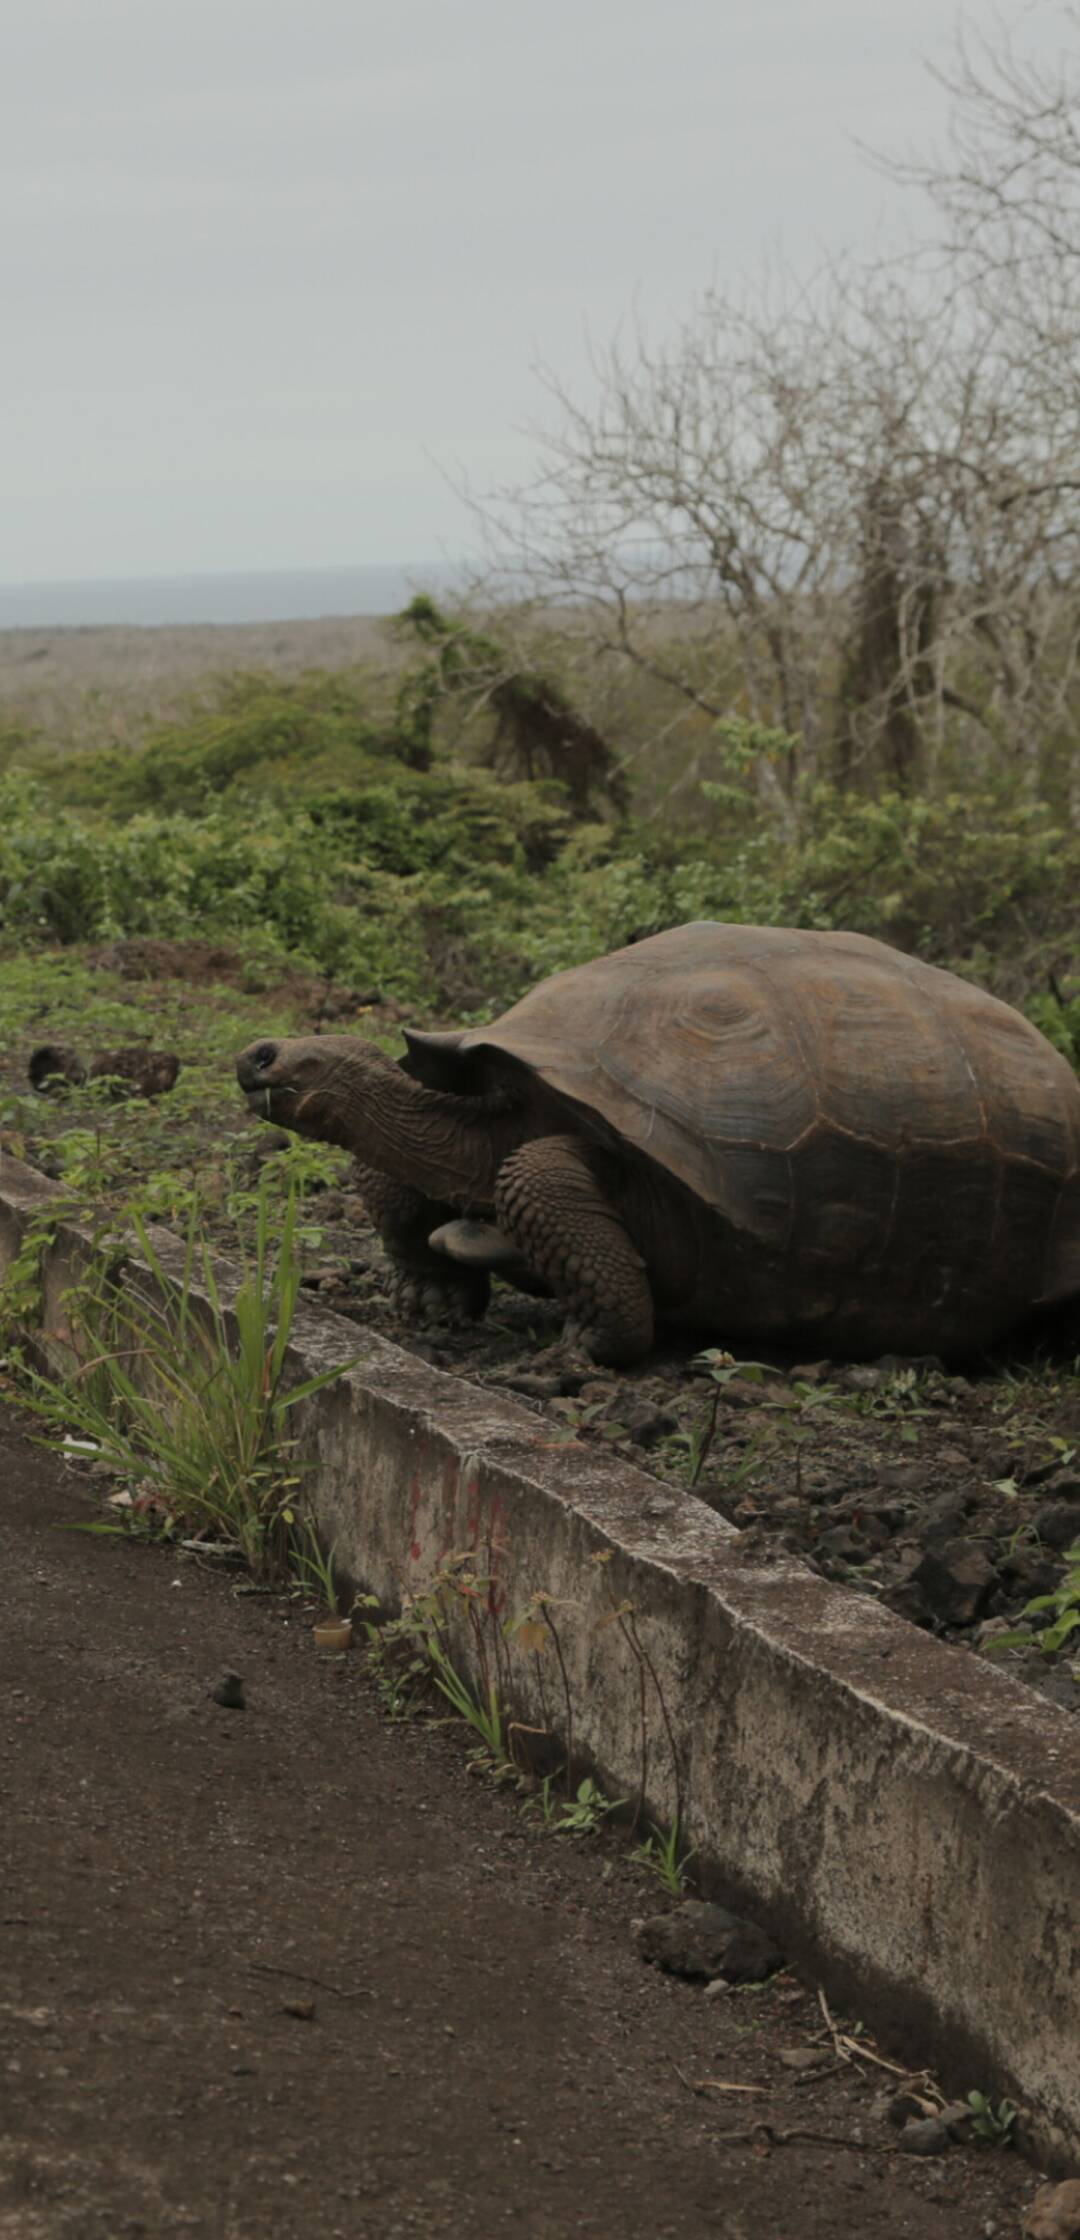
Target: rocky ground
289, 1968
952, 1497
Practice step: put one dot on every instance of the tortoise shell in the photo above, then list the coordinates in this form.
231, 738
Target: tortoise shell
877, 1142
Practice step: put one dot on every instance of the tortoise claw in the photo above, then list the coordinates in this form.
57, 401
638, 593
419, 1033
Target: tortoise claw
455, 1299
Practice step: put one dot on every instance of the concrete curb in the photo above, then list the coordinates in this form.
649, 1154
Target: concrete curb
901, 1816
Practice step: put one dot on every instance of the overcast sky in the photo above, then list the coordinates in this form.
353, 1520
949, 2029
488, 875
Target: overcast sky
267, 265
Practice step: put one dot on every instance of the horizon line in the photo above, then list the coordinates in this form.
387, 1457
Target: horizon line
223, 575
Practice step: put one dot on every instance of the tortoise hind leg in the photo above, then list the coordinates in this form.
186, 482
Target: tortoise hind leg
549, 1202
424, 1285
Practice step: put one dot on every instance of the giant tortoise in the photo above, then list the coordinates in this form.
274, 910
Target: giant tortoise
754, 1132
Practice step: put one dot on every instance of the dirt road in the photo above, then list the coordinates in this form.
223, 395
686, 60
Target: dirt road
486, 2053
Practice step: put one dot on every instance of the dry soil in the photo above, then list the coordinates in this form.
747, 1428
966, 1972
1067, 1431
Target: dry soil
290, 1970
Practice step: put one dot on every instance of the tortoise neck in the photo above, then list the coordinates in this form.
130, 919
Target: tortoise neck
445, 1146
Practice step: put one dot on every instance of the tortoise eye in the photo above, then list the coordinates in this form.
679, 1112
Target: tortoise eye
263, 1055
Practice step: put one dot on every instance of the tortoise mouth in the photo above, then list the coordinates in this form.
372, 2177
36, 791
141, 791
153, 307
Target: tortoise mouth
265, 1103
285, 1105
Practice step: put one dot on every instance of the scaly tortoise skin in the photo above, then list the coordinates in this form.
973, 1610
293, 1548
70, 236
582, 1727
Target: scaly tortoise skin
756, 1132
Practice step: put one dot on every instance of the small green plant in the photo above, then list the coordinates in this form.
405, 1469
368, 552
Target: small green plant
543, 1802
723, 1369
312, 1566
189, 1417
479, 1706
582, 1814
408, 1656
993, 2125
398, 1671
661, 1855
1064, 1601
585, 1812
22, 1289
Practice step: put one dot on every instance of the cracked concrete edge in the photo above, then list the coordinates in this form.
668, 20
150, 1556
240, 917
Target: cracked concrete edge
903, 1817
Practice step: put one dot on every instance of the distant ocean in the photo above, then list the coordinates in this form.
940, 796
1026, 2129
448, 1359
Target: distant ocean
275, 595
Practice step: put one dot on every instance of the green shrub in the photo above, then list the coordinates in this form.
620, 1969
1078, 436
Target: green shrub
259, 732
291, 810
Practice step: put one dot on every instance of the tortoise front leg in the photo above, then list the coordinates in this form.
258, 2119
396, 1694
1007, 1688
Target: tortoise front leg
424, 1285
548, 1200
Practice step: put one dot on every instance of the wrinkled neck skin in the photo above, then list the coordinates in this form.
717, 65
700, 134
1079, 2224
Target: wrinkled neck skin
445, 1146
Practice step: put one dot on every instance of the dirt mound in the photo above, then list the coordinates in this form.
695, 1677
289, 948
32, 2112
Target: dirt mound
145, 957
199, 963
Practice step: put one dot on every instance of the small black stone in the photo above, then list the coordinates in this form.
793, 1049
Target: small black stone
55, 1065
903, 2108
704, 1940
1037, 1473
229, 1692
1030, 1573
904, 1599
1058, 1523
645, 1425
531, 1384
928, 2136
838, 1543
943, 1516
866, 1376
1054, 1682
956, 1582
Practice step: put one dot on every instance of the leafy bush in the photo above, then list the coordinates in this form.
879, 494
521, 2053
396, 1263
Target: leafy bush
984, 883
66, 880
257, 732
293, 877
264, 741
290, 810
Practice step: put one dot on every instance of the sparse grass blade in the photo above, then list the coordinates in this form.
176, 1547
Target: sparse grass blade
179, 1398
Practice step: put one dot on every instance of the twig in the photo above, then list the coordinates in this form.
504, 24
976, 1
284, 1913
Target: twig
714, 2084
850, 2050
630, 1633
817, 2076
567, 1697
296, 1975
765, 2134
837, 2042
859, 2052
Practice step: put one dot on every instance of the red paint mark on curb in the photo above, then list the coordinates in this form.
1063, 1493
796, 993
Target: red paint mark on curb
415, 1498
472, 1495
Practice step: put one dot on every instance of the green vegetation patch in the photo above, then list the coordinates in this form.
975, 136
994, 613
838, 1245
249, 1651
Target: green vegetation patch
332, 834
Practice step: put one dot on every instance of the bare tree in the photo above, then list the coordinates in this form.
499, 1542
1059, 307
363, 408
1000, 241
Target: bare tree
1006, 185
848, 514
1005, 190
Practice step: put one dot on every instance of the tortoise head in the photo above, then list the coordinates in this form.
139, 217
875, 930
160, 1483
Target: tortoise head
314, 1084
341, 1089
